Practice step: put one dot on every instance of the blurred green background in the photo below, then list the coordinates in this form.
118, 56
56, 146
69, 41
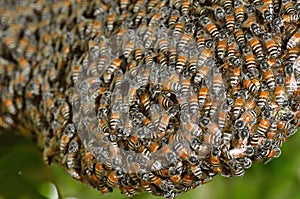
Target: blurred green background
23, 175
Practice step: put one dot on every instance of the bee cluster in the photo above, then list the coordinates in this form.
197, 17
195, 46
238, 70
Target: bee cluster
154, 96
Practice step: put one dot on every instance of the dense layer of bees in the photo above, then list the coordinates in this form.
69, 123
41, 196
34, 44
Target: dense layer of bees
155, 96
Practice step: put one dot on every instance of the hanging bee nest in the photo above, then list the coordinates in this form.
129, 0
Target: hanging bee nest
151, 96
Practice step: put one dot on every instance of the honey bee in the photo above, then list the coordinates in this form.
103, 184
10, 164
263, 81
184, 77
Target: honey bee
164, 101
92, 70
128, 190
281, 125
137, 6
6, 121
187, 180
133, 142
145, 101
251, 64
193, 103
233, 55
163, 42
155, 19
149, 39
23, 44
72, 161
227, 4
239, 11
156, 180
266, 12
124, 4
217, 83
65, 111
185, 7
99, 170
280, 95
176, 3
181, 63
151, 4
111, 19
271, 46
249, 117
269, 77
230, 20
201, 38
112, 179
238, 106
263, 97
138, 54
25, 66
251, 85
222, 45
149, 58
104, 189
235, 77
117, 80
237, 153
272, 153
263, 127
132, 68
207, 106
181, 150
101, 63
290, 84
255, 45
292, 54
19, 102
179, 27
190, 28
74, 173
104, 125
290, 18
10, 42
8, 103
184, 41
290, 29
115, 64
288, 6
128, 47
183, 103
295, 38
174, 138
219, 12
172, 84
173, 18
154, 147
210, 27
64, 141
10, 70
196, 170
193, 129
193, 62
203, 72
172, 56
215, 159
237, 169
201, 149
146, 186
222, 118
185, 86
164, 122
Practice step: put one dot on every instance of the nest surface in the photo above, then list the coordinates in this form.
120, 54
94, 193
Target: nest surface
151, 96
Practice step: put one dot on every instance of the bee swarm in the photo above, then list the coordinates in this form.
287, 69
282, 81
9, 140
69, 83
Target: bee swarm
151, 96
